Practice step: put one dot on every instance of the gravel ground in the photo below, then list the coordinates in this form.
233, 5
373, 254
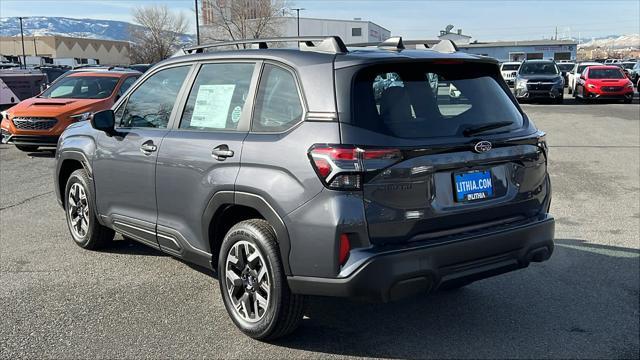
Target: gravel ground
59, 301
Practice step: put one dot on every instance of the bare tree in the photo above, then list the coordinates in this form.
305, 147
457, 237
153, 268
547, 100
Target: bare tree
245, 19
158, 34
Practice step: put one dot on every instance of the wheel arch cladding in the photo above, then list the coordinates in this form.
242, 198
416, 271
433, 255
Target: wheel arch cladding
68, 163
227, 208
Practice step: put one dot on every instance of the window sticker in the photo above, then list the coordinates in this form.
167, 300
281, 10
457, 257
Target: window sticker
235, 114
212, 106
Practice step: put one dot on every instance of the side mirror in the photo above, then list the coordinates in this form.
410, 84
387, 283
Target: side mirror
582, 77
104, 120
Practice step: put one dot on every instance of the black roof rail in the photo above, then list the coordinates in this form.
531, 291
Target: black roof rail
326, 44
397, 43
392, 43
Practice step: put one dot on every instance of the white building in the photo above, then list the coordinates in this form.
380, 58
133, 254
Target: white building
350, 31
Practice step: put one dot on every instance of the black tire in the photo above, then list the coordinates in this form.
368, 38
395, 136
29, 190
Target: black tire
27, 148
284, 311
95, 236
559, 100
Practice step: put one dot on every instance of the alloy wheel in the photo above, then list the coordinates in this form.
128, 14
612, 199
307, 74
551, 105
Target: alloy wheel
78, 209
247, 281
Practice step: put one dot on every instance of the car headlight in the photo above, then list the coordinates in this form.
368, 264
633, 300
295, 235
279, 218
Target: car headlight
81, 117
629, 85
591, 86
521, 83
558, 80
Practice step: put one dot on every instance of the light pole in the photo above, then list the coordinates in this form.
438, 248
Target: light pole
197, 24
24, 56
297, 10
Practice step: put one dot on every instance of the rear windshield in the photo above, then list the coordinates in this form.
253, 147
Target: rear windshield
429, 100
82, 87
538, 68
628, 65
606, 74
507, 67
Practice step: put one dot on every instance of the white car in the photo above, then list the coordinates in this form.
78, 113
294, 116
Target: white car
509, 71
574, 74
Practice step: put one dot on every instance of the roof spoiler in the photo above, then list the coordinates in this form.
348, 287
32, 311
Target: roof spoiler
323, 44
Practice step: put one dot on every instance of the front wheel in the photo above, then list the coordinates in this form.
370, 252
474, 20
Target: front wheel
85, 229
253, 285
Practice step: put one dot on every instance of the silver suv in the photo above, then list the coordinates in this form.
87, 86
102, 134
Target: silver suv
306, 171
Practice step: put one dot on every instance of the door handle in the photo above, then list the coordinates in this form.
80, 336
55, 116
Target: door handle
221, 152
148, 147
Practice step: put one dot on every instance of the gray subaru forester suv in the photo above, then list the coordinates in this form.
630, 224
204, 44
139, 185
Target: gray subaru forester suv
306, 171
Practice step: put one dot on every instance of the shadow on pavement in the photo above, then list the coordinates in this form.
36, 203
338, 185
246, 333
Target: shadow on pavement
583, 302
43, 154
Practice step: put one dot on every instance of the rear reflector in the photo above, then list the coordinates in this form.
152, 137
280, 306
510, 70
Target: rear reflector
345, 247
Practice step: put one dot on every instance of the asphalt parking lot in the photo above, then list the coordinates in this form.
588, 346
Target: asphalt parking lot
59, 301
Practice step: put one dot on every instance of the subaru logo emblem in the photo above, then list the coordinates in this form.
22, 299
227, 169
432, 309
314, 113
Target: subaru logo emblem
482, 146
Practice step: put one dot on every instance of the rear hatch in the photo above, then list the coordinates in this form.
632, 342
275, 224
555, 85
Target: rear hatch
442, 149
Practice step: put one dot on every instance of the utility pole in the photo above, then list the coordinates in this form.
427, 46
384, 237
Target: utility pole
197, 24
556, 33
24, 56
297, 10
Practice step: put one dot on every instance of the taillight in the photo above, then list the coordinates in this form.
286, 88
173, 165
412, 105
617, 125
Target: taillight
342, 166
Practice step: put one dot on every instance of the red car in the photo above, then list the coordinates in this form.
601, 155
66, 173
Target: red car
604, 82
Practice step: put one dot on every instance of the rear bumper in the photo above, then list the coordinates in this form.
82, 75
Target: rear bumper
31, 140
405, 271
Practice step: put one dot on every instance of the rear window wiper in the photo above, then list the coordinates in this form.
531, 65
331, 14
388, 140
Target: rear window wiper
472, 130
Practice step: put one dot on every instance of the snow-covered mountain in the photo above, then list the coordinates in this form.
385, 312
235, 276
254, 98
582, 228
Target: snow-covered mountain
86, 28
613, 41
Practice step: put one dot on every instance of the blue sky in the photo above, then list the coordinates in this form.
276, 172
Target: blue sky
484, 20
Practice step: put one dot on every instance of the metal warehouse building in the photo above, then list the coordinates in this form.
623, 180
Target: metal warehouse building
523, 50
64, 50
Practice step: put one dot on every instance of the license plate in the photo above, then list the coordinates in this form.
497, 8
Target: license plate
473, 185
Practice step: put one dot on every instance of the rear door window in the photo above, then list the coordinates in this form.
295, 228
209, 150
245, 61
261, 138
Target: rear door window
425, 101
217, 98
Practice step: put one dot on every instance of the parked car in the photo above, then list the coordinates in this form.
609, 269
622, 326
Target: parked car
314, 171
509, 71
575, 74
38, 122
632, 69
140, 67
604, 82
53, 72
538, 79
565, 69
18, 84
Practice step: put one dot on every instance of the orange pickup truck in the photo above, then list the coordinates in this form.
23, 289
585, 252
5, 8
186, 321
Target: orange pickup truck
38, 122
